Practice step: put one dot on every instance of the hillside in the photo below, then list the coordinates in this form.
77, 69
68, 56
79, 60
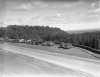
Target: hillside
29, 32
46, 33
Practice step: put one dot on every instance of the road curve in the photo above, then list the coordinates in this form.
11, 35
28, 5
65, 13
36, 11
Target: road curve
82, 64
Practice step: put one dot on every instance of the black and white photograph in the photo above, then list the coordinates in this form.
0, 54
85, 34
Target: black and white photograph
49, 38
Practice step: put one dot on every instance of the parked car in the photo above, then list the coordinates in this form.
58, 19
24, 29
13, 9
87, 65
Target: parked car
67, 46
44, 43
22, 40
32, 43
62, 45
50, 43
36, 42
29, 41
40, 41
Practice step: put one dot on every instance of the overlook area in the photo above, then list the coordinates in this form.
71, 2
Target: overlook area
49, 38
26, 45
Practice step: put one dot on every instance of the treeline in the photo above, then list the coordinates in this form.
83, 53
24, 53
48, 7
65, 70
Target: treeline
46, 33
29, 32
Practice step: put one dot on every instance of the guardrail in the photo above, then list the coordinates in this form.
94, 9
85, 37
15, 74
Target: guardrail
88, 48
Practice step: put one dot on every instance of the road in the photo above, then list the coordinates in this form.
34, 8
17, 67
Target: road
88, 67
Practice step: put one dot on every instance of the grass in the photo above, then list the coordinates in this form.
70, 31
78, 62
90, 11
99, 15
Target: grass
55, 49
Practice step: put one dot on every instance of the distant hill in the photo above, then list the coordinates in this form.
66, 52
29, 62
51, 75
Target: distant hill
82, 31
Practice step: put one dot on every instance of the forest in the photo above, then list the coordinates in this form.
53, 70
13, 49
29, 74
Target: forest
46, 33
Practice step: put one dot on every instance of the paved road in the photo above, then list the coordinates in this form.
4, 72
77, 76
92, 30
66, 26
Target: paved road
88, 66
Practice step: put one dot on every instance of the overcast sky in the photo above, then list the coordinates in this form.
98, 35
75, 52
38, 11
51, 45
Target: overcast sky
65, 14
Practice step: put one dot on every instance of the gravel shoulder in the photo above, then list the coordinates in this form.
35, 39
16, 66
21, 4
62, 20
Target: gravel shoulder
13, 64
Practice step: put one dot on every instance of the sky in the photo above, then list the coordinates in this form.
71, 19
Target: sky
69, 15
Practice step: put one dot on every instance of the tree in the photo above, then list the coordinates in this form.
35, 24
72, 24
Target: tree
2, 32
